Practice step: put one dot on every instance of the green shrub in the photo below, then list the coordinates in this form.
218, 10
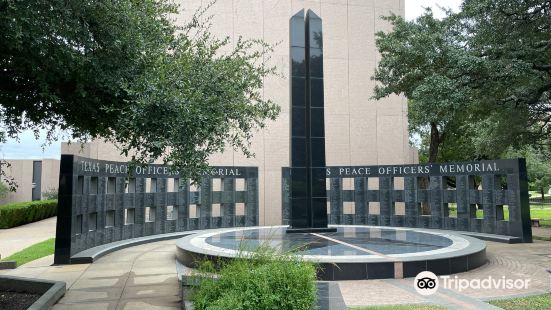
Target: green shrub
265, 280
4, 190
50, 193
20, 213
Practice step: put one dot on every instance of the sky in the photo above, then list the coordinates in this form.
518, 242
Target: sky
29, 148
415, 8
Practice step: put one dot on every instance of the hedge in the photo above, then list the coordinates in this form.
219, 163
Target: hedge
20, 213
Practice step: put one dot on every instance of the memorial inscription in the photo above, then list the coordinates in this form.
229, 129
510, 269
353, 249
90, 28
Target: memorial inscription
103, 201
482, 167
504, 186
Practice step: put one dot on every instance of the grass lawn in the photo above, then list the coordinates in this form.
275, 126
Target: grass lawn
403, 307
539, 211
537, 194
33, 252
479, 213
538, 302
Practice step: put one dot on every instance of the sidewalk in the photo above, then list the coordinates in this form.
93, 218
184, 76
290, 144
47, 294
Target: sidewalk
514, 261
17, 238
140, 277
144, 276
544, 232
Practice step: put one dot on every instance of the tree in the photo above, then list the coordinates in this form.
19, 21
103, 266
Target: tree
538, 164
415, 62
66, 63
217, 103
513, 41
478, 81
123, 71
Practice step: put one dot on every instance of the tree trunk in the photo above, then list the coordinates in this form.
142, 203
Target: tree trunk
424, 185
435, 140
542, 191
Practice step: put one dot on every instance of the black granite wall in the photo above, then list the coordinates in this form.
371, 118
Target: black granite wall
492, 186
100, 203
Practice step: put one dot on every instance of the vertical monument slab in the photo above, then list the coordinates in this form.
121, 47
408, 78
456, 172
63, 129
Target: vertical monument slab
308, 197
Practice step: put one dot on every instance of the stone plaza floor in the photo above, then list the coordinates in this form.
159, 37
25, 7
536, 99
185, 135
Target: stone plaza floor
514, 261
141, 277
144, 277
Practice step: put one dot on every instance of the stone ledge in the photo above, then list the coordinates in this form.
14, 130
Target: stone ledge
91, 255
51, 291
10, 264
492, 237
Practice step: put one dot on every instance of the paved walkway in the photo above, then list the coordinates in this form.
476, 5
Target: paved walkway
544, 232
513, 261
140, 277
144, 276
17, 238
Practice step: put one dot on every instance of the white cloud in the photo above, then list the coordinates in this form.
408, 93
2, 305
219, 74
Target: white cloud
415, 8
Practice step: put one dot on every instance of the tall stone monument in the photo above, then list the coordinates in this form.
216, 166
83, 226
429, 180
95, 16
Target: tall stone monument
308, 193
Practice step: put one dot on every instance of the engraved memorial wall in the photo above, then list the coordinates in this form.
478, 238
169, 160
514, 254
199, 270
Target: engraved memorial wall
103, 201
394, 195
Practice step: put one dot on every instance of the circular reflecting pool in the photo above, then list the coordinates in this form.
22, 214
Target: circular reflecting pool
355, 240
386, 251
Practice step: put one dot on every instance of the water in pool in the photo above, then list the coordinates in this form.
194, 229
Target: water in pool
346, 241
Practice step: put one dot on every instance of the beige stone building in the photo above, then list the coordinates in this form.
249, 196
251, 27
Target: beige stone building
33, 178
358, 130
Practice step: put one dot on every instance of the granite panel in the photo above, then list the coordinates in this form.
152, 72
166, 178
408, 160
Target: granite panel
102, 202
437, 196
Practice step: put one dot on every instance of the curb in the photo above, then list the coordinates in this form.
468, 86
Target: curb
51, 291
90, 255
9, 264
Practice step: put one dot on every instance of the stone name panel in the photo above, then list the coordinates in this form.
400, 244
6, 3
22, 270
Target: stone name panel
102, 202
486, 196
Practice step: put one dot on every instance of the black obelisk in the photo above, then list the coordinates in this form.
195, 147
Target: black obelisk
308, 193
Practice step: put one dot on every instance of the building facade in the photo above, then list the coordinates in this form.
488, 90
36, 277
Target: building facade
358, 129
33, 179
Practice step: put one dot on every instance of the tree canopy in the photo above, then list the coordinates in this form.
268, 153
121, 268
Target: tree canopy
124, 71
538, 164
478, 81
